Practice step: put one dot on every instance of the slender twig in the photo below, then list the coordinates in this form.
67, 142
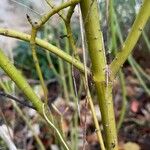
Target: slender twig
141, 70
16, 99
85, 74
147, 41
139, 76
28, 123
19, 111
69, 32
53, 126
124, 101
55, 10
36, 61
60, 13
113, 28
73, 86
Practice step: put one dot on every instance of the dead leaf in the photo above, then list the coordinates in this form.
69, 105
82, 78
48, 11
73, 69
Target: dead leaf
131, 146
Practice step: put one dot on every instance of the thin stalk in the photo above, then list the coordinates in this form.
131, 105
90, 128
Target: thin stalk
139, 76
36, 62
124, 101
63, 78
143, 73
2, 85
145, 37
53, 126
69, 31
70, 80
51, 65
71, 41
73, 84
38, 140
19, 111
60, 13
55, 10
67, 50
121, 75
98, 129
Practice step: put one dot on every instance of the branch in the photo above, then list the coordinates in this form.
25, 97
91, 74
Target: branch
60, 53
69, 31
55, 10
16, 99
132, 39
35, 58
20, 81
61, 15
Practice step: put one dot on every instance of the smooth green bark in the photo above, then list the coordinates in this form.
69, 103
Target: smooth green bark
132, 38
47, 46
20, 81
100, 70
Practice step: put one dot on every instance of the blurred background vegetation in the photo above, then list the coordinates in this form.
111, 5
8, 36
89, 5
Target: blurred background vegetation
133, 82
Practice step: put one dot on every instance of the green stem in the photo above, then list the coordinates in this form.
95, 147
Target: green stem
98, 129
146, 40
132, 38
63, 78
20, 81
22, 84
130, 59
36, 62
38, 140
99, 70
124, 101
45, 45
50, 63
143, 73
121, 75
2, 85
55, 10
73, 83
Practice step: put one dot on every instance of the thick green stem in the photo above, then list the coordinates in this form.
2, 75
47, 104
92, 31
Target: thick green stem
20, 81
104, 93
89, 9
17, 77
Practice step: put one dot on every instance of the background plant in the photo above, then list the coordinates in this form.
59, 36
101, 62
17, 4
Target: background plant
103, 72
